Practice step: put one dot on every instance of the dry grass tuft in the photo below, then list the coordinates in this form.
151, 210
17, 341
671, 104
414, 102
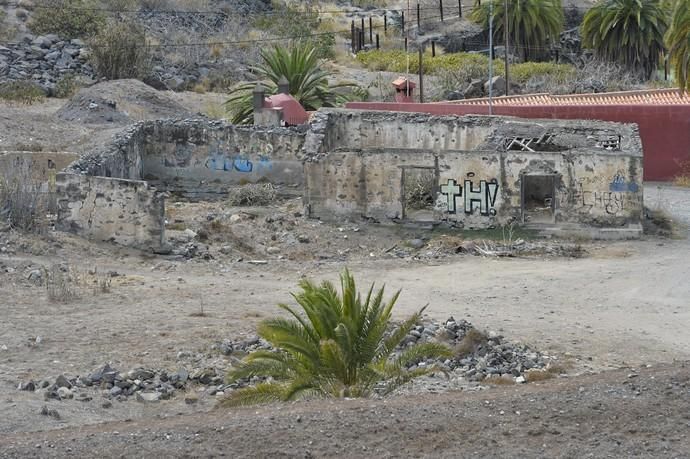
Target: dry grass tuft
499, 380
536, 375
470, 342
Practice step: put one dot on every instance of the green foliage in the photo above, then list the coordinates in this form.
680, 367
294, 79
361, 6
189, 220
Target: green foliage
66, 86
301, 66
68, 18
120, 51
678, 39
469, 65
24, 91
304, 23
629, 32
532, 24
524, 71
338, 346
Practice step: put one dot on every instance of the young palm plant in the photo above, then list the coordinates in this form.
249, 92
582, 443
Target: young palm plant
337, 346
300, 65
531, 23
629, 32
678, 39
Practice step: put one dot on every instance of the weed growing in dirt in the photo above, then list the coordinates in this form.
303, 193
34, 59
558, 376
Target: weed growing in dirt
469, 344
25, 92
22, 203
61, 285
339, 346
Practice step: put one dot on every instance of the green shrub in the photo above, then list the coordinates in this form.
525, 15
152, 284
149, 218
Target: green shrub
120, 51
68, 18
66, 86
302, 24
471, 64
24, 91
523, 72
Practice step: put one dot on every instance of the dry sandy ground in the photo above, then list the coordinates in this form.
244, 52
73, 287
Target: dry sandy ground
626, 304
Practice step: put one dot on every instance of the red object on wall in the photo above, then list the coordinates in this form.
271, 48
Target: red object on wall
664, 128
404, 90
293, 112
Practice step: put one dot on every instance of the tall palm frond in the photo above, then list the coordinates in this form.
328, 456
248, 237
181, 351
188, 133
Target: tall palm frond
300, 65
340, 345
629, 32
678, 40
532, 24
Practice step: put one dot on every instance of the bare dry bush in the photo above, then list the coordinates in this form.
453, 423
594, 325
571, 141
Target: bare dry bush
253, 194
470, 342
120, 51
61, 284
591, 76
23, 205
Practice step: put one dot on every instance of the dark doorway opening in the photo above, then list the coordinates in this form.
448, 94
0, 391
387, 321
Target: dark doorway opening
538, 198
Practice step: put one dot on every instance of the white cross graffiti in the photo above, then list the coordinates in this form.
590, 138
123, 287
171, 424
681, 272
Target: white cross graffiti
451, 190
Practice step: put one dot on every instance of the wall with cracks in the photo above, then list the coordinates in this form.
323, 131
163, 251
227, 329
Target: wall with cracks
126, 212
475, 171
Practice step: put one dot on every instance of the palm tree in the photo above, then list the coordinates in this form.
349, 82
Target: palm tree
300, 65
678, 39
629, 32
339, 346
531, 23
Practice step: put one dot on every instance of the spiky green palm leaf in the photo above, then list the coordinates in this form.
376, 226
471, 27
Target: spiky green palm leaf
678, 40
629, 32
532, 24
340, 345
300, 65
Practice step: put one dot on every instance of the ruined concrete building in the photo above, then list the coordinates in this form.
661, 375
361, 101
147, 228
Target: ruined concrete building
388, 167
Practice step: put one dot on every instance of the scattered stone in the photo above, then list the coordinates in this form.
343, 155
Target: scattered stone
36, 276
29, 386
49, 412
148, 397
191, 399
64, 393
107, 404
62, 381
417, 243
303, 238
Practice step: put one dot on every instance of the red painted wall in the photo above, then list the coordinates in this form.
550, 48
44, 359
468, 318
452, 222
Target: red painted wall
664, 129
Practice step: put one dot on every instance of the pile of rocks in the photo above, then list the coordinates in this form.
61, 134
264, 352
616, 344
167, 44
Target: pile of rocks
478, 355
145, 384
479, 358
44, 60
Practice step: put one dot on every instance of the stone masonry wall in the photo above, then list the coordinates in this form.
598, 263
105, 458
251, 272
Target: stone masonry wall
127, 212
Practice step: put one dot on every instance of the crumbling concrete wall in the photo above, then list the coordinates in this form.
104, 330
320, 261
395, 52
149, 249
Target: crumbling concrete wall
127, 212
367, 160
198, 158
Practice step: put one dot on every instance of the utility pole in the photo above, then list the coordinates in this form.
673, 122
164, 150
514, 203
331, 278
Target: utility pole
421, 74
491, 56
507, 45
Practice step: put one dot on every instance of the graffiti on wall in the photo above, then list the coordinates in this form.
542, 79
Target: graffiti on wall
481, 197
239, 161
620, 185
612, 202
